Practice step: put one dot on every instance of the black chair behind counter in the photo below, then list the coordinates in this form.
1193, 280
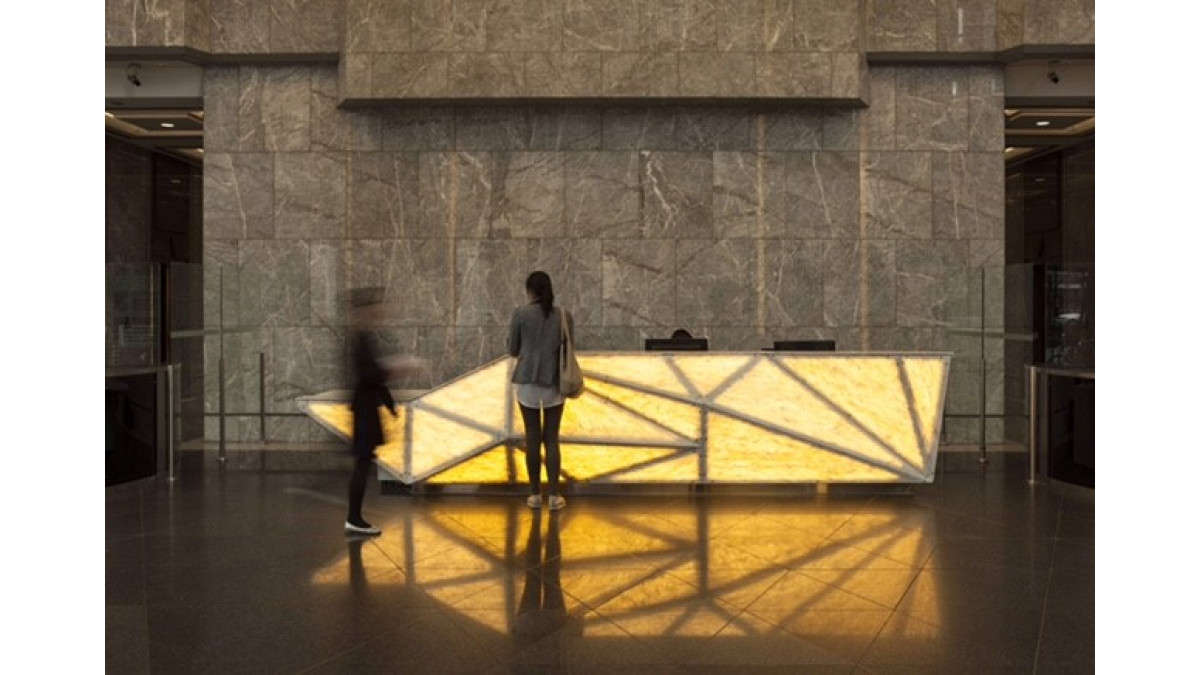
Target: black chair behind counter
805, 345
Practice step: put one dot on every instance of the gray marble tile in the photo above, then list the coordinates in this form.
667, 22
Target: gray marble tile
410, 75
629, 128
716, 74
244, 370
921, 285
530, 195
827, 26
967, 203
823, 189
239, 195
273, 283
565, 128
220, 270
860, 283
788, 129
302, 361
273, 109
221, 108
840, 129
418, 128
331, 128
448, 26
326, 280
716, 281
676, 194
603, 194
793, 283
486, 75
985, 108
714, 128
639, 283
474, 346
676, 25
849, 76
563, 74
489, 281
880, 117
457, 192
377, 26
899, 203
493, 128
599, 25
640, 74
303, 26
614, 338
932, 109
576, 271
966, 26
416, 275
240, 27
354, 76
754, 25
310, 194
524, 26
901, 26
1010, 23
118, 22
794, 75
1069, 22
383, 195
750, 197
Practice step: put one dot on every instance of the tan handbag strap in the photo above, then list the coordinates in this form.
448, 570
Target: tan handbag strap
563, 325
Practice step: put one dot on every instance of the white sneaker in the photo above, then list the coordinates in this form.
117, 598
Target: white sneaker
534, 501
365, 528
557, 502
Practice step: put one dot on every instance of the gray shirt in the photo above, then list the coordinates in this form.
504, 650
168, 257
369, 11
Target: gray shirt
535, 339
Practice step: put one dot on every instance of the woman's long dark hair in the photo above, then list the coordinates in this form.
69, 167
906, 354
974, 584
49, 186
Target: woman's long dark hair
538, 284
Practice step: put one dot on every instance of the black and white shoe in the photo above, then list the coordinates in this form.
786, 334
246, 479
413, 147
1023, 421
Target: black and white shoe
363, 528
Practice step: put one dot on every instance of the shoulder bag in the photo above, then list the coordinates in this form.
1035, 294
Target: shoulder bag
570, 378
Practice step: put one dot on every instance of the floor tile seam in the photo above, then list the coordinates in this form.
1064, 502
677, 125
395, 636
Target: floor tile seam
908, 587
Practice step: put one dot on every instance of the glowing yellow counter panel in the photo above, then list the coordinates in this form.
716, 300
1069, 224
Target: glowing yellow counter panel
688, 417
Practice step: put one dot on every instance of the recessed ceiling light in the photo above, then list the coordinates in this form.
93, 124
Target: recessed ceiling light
108, 114
1043, 123
171, 125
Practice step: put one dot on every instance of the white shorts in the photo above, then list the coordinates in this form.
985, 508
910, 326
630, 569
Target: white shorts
538, 396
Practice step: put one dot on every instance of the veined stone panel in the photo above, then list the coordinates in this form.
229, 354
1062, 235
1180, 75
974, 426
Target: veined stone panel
741, 223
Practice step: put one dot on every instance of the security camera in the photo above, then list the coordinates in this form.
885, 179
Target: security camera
1052, 76
131, 74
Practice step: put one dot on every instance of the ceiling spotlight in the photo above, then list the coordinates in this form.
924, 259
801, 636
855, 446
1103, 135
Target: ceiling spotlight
131, 74
1043, 123
168, 125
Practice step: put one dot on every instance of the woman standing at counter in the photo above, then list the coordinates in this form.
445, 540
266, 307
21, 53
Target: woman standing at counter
534, 338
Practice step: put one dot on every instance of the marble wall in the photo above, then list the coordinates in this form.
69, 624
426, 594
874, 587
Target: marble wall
744, 224
603, 49
749, 169
576, 47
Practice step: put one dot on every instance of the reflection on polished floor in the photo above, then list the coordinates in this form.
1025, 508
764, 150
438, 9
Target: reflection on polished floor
248, 571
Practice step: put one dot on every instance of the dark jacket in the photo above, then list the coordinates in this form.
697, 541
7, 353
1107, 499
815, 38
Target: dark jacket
370, 392
534, 339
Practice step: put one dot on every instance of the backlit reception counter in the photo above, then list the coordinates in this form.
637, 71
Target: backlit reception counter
662, 417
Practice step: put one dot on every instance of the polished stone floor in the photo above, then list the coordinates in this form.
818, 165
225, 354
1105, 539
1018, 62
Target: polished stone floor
239, 571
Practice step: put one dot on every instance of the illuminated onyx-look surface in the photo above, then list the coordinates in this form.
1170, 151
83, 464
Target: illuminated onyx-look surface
646, 417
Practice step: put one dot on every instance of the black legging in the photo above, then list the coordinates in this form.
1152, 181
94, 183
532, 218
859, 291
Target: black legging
541, 432
358, 487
